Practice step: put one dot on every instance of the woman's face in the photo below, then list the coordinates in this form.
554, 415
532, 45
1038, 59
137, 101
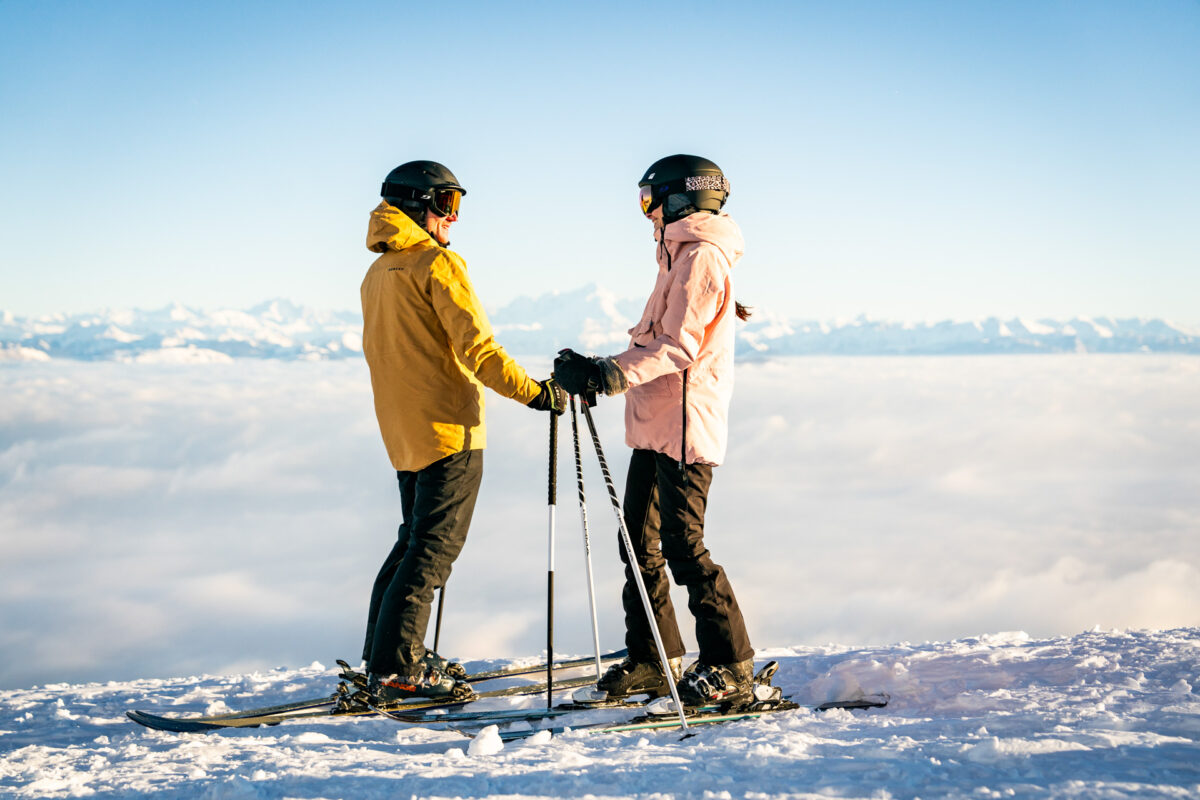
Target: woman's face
655, 216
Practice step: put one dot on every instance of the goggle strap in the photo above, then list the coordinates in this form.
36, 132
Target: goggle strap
407, 192
695, 183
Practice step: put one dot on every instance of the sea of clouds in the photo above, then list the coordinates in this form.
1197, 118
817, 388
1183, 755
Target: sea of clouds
174, 520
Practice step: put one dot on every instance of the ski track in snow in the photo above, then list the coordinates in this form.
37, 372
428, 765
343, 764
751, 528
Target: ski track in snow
1100, 714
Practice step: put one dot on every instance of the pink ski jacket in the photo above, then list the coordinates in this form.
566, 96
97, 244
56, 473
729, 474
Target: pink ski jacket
688, 325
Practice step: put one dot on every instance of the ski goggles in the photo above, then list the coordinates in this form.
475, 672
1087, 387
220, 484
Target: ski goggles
444, 202
646, 196
652, 196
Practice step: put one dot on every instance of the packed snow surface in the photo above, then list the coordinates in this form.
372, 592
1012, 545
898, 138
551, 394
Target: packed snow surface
1100, 714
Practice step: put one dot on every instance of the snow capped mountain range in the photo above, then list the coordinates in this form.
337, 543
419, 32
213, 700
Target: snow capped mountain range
590, 319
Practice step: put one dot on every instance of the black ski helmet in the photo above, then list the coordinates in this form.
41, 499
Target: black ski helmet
417, 185
683, 185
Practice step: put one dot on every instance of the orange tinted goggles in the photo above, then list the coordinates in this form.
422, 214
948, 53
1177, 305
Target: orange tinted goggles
646, 195
445, 201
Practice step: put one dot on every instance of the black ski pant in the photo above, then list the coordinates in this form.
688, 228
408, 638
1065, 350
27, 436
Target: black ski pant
664, 512
437, 502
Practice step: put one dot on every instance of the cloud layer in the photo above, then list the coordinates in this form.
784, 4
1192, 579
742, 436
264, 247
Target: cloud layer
163, 520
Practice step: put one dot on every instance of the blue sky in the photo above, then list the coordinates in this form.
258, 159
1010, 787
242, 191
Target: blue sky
902, 160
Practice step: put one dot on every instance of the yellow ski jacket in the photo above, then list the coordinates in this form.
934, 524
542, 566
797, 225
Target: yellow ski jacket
429, 345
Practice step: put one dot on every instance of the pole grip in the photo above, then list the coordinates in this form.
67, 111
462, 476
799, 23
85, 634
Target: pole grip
553, 477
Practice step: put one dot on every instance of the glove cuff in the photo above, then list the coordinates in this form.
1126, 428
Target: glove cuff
612, 379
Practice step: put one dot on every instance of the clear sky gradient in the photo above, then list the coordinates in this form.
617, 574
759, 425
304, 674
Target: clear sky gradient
903, 160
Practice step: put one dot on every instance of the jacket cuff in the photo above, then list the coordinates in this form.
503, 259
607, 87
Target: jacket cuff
612, 379
531, 391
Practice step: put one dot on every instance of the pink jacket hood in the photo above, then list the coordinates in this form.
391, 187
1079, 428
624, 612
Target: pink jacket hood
688, 324
718, 230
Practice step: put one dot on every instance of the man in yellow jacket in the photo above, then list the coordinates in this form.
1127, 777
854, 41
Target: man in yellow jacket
431, 352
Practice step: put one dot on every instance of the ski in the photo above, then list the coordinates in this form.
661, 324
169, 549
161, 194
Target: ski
327, 705
471, 719
870, 701
351, 675
328, 708
697, 716
767, 698
706, 715
433, 716
492, 717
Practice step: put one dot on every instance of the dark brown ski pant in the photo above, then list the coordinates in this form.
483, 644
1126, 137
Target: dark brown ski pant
664, 512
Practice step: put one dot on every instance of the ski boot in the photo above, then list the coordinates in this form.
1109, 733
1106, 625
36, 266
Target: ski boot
388, 692
430, 659
633, 676
727, 685
444, 665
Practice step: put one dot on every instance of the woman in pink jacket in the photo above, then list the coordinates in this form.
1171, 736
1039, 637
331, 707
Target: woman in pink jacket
678, 376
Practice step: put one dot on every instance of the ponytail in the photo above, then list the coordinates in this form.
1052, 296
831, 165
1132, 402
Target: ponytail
743, 312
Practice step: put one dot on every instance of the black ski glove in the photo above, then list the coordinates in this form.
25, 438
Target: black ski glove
577, 374
584, 376
550, 398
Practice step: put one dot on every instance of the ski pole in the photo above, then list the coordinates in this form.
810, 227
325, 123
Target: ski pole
437, 628
635, 568
553, 488
587, 545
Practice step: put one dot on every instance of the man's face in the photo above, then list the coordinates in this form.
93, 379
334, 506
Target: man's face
439, 227
655, 216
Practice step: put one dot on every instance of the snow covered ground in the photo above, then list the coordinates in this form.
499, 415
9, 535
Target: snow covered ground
1107, 714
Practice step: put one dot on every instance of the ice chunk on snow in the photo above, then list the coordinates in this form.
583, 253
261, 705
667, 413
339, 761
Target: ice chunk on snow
487, 742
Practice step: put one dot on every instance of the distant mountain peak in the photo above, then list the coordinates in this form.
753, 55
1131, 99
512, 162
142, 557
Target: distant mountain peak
590, 318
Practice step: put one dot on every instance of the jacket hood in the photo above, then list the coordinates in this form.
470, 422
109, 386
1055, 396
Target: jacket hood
716, 229
392, 229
